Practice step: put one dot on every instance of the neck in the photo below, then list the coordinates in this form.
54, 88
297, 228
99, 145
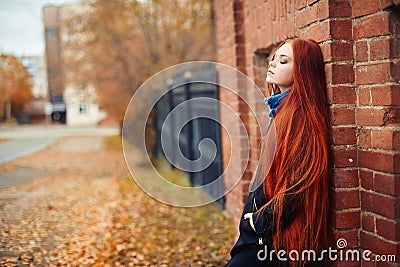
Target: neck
283, 89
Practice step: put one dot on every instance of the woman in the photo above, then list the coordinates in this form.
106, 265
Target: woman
288, 212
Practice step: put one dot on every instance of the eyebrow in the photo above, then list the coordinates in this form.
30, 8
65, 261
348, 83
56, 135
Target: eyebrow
282, 55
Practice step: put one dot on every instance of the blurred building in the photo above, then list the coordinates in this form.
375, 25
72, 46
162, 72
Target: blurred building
70, 104
54, 65
36, 68
34, 110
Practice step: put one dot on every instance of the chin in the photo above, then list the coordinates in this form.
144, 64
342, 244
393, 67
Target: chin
268, 80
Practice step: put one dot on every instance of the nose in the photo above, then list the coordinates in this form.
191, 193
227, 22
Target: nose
272, 63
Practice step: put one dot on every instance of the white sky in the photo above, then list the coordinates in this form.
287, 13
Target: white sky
21, 26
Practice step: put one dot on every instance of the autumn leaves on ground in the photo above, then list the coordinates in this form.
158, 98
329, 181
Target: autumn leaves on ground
85, 210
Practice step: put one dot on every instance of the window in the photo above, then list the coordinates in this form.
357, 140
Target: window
83, 108
49, 33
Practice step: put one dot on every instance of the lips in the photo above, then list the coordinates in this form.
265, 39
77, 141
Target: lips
269, 71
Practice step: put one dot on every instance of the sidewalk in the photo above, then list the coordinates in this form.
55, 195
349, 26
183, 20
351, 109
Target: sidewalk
86, 210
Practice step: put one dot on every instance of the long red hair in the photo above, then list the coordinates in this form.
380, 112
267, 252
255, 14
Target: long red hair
301, 164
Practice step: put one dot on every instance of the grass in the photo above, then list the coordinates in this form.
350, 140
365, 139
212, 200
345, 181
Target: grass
169, 173
113, 142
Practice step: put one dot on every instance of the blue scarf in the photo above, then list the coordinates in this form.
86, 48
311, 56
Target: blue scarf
274, 101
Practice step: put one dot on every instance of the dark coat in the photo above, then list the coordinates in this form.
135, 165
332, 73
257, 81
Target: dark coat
264, 222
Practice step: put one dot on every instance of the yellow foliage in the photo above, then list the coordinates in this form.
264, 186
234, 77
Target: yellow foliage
122, 43
15, 86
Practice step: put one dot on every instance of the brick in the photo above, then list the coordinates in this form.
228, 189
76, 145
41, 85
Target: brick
373, 73
344, 136
367, 262
345, 158
361, 51
326, 51
341, 29
240, 64
244, 196
360, 8
392, 116
378, 204
394, 20
386, 3
396, 140
368, 222
386, 95
367, 180
342, 74
380, 49
349, 263
383, 139
377, 245
244, 118
228, 96
386, 263
237, 6
388, 229
370, 116
395, 47
364, 138
346, 199
343, 116
301, 4
379, 161
364, 95
395, 71
240, 49
362, 27
322, 10
339, 9
319, 31
342, 51
351, 237
239, 39
342, 94
306, 17
346, 219
328, 70
344, 178
388, 184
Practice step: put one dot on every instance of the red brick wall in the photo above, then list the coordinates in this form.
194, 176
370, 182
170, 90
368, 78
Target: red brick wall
361, 46
376, 29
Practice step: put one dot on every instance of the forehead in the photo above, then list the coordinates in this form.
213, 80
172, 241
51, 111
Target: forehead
285, 49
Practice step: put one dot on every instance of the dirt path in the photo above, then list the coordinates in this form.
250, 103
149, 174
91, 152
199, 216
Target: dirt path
85, 210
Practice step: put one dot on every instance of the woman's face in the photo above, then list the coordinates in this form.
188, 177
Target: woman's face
280, 71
